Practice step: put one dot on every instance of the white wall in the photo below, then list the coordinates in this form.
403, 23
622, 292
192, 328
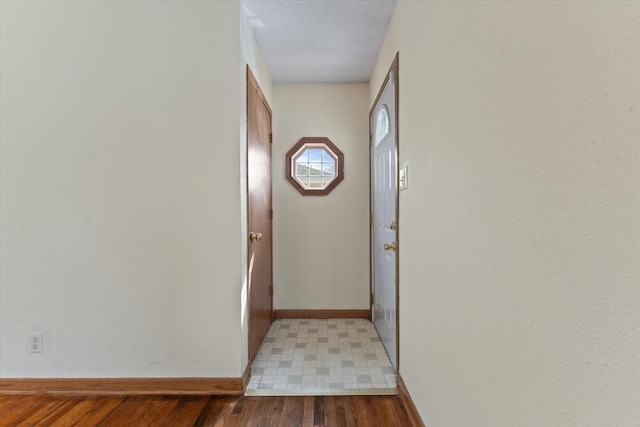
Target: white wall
520, 230
321, 244
119, 124
250, 56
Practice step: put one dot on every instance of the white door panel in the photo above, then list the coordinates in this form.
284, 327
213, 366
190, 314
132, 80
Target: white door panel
384, 178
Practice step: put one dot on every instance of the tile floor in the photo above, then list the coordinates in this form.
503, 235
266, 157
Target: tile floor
321, 357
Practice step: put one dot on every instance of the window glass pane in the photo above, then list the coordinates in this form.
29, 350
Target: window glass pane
315, 169
382, 124
326, 180
327, 157
301, 170
329, 170
315, 182
315, 154
303, 157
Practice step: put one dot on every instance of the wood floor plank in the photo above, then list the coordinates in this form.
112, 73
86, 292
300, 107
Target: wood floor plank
266, 415
371, 411
318, 411
208, 413
215, 408
88, 412
276, 414
186, 414
394, 406
307, 419
58, 412
128, 410
334, 412
173, 414
287, 411
297, 416
260, 410
6, 401
384, 411
50, 405
168, 409
224, 419
125, 410
233, 417
381, 414
329, 411
252, 411
201, 411
245, 417
359, 412
192, 411
16, 406
339, 405
151, 409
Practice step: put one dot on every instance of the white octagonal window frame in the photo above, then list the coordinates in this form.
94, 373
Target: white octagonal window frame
315, 166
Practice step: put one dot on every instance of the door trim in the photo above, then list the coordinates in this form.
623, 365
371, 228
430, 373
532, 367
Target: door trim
251, 80
394, 68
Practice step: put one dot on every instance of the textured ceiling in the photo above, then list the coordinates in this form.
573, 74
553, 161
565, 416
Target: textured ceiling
319, 40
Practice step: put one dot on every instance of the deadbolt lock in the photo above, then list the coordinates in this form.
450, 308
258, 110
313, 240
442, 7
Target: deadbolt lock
255, 237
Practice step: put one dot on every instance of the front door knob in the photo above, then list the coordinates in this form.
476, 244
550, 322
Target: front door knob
391, 246
255, 237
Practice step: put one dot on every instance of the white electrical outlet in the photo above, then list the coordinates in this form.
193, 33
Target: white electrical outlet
35, 343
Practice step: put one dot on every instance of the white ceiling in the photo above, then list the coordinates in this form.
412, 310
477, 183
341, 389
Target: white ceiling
319, 40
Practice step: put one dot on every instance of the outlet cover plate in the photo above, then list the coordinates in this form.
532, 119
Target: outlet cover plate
35, 343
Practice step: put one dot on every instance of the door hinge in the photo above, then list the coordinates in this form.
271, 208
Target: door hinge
270, 138
371, 220
270, 289
270, 213
370, 139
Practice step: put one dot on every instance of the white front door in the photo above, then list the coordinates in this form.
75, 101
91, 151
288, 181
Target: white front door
384, 178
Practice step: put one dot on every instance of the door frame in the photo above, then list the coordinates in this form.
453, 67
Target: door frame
252, 81
394, 68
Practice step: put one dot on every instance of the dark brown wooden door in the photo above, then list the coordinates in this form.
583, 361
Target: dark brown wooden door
259, 214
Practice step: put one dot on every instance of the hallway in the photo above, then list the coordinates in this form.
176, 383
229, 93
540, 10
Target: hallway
321, 357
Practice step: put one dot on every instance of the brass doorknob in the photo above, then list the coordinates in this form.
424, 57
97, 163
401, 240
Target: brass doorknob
255, 237
391, 246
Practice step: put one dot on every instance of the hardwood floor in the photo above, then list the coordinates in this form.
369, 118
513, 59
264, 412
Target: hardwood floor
172, 411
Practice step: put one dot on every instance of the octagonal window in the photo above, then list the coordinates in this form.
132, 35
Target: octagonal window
315, 166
